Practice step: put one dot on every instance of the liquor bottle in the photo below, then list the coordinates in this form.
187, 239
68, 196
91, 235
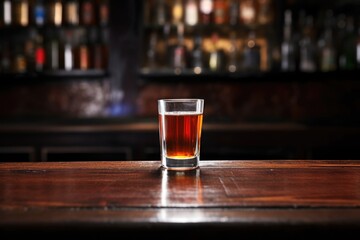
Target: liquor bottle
103, 12
177, 12
67, 50
56, 12
82, 53
206, 11
307, 53
327, 52
98, 50
19, 58
5, 60
52, 51
265, 12
234, 12
29, 49
71, 12
247, 12
288, 58
251, 54
197, 56
165, 50
220, 12
7, 12
161, 12
39, 12
104, 43
347, 48
233, 54
88, 12
22, 12
180, 51
340, 28
151, 53
216, 59
191, 13
39, 53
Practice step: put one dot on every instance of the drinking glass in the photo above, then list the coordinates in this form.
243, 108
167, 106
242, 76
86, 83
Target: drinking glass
180, 126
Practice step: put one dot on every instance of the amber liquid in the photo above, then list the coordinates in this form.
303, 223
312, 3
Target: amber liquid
180, 135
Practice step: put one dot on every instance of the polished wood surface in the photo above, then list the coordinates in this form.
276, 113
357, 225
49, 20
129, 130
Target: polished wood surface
252, 197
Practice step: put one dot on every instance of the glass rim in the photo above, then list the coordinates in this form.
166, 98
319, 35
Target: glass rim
180, 99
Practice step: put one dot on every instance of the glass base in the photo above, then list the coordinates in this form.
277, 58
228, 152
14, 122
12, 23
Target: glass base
180, 164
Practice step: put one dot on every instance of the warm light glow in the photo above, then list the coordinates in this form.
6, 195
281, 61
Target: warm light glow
251, 43
72, 13
247, 11
7, 12
69, 62
57, 14
213, 63
206, 6
177, 12
172, 180
24, 14
191, 17
197, 70
232, 68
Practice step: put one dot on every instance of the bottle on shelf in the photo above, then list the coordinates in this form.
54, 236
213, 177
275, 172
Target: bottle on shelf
307, 52
234, 12
247, 12
39, 53
288, 58
216, 58
98, 49
103, 6
265, 12
104, 42
233, 65
251, 54
165, 49
151, 53
39, 13
180, 51
347, 48
220, 11
177, 12
67, 50
5, 57
7, 7
191, 13
29, 48
22, 12
53, 51
88, 12
161, 12
327, 52
71, 10
197, 55
206, 8
19, 64
82, 55
56, 13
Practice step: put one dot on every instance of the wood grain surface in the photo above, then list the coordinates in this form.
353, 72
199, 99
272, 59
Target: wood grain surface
284, 196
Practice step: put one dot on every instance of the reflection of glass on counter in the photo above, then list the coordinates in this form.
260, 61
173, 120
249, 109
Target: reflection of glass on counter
181, 188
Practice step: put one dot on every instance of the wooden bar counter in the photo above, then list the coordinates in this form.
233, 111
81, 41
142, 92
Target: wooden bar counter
238, 199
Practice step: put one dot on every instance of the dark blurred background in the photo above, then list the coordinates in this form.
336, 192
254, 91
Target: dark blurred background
80, 78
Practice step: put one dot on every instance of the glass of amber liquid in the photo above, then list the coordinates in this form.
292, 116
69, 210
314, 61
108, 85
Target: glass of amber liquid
180, 125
